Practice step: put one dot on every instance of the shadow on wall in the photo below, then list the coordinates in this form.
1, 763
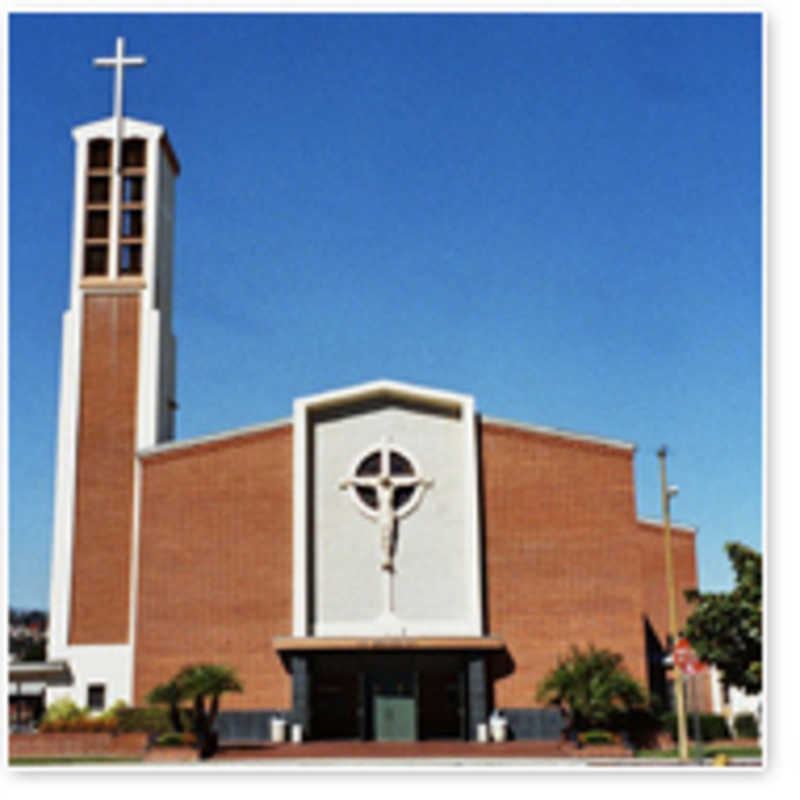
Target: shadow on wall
656, 673
543, 724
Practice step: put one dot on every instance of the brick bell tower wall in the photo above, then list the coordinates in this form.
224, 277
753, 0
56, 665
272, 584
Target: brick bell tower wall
562, 565
99, 611
215, 564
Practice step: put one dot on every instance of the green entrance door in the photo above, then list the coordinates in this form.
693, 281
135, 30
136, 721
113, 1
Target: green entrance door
394, 708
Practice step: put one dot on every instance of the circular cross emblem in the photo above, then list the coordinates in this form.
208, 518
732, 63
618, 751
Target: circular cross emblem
386, 484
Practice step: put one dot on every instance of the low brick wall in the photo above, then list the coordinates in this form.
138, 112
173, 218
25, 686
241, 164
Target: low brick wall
601, 751
171, 755
44, 745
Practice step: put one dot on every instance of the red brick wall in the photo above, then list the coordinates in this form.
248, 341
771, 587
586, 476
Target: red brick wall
561, 562
22, 745
654, 585
104, 493
215, 573
654, 576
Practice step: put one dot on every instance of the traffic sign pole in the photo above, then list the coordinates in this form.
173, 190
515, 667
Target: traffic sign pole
685, 660
698, 743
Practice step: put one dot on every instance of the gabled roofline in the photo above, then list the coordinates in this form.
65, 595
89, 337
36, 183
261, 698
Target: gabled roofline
213, 438
659, 523
384, 388
388, 388
561, 433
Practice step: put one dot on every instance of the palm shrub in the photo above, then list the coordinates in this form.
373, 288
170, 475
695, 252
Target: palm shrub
593, 687
199, 685
203, 684
169, 694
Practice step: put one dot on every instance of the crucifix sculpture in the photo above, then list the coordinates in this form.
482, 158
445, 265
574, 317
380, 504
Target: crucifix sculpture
386, 486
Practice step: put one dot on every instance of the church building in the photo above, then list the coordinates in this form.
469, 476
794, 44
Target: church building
387, 562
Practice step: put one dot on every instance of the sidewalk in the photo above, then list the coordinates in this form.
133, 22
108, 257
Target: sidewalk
443, 754
390, 750
369, 751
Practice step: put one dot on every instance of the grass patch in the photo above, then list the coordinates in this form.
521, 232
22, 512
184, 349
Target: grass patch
36, 761
708, 752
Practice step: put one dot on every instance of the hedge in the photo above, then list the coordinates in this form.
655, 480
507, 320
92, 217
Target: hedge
149, 719
712, 726
79, 725
746, 726
173, 739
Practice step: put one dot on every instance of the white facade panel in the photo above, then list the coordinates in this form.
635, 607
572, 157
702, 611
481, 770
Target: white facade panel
433, 586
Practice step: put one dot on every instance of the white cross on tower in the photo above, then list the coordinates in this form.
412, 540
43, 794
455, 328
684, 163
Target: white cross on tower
119, 62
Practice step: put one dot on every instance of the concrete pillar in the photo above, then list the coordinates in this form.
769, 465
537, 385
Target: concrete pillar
477, 699
301, 692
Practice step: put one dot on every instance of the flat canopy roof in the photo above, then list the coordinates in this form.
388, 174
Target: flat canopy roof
311, 643
51, 672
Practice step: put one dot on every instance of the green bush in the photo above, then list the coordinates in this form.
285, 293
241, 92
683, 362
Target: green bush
64, 710
598, 737
79, 725
146, 720
115, 709
712, 726
175, 739
746, 726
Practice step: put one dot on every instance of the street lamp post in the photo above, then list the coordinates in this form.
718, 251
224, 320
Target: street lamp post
667, 493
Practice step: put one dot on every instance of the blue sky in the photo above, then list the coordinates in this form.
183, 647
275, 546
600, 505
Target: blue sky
560, 215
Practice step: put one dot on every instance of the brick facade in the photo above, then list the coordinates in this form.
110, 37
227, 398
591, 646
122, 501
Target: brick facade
654, 587
99, 610
566, 561
215, 574
57, 745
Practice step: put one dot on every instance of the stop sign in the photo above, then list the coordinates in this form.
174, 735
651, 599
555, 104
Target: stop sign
684, 658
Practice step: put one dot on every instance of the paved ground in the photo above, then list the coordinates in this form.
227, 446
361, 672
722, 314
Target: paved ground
434, 755
391, 750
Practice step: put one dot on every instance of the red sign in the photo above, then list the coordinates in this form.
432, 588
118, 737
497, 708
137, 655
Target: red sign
685, 659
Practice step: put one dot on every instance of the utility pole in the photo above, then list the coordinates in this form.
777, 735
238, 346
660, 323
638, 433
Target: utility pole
666, 494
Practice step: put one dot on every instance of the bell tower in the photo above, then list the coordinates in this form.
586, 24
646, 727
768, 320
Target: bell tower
117, 387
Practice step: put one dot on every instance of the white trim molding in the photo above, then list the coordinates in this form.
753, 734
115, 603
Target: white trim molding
560, 433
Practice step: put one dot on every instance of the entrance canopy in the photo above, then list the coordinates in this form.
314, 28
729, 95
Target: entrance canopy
388, 688
296, 644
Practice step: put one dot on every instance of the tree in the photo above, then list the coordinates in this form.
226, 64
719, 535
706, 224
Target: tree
169, 694
725, 628
204, 683
593, 686
201, 685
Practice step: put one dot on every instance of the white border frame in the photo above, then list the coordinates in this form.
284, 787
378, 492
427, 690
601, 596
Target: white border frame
304, 408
